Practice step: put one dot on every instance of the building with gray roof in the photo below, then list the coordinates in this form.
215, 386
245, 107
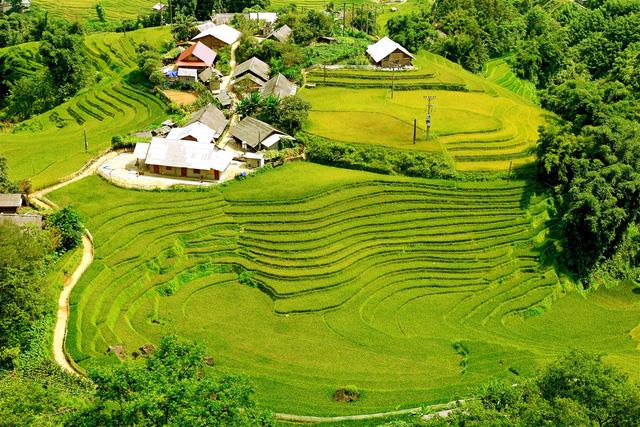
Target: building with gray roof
278, 86
255, 135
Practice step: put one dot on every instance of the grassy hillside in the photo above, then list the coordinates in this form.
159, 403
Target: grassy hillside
81, 9
51, 146
311, 278
498, 71
480, 124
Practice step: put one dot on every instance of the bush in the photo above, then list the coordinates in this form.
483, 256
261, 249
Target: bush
68, 224
370, 158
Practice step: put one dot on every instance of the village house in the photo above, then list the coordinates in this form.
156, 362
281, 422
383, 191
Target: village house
254, 135
388, 54
186, 159
251, 75
9, 206
278, 86
224, 99
282, 34
196, 131
197, 56
226, 18
218, 36
187, 74
10, 203
212, 117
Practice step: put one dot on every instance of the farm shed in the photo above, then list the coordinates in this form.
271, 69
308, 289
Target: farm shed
197, 56
158, 7
9, 203
279, 86
387, 54
197, 132
212, 117
22, 219
218, 36
222, 18
224, 99
254, 160
282, 34
187, 74
187, 159
254, 135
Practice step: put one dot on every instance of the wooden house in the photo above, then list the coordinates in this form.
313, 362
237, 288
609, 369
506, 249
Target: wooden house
197, 56
195, 131
10, 203
218, 36
278, 86
186, 159
388, 54
282, 34
212, 117
251, 75
254, 135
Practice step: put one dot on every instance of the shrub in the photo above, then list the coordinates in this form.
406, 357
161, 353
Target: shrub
376, 159
68, 224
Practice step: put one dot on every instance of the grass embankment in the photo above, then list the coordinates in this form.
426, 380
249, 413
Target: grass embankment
51, 145
310, 278
83, 9
481, 125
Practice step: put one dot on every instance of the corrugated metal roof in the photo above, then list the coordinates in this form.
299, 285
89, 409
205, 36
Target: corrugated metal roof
383, 48
201, 132
255, 66
253, 131
200, 51
212, 117
187, 154
279, 86
282, 34
224, 98
188, 72
269, 17
11, 200
223, 32
140, 152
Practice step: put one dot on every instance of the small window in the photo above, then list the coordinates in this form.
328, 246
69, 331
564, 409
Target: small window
169, 168
196, 171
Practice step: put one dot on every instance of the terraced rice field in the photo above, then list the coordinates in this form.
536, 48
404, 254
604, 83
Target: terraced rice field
309, 278
52, 146
498, 71
481, 125
81, 9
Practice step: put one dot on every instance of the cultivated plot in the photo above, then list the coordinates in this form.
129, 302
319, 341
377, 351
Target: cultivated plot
311, 278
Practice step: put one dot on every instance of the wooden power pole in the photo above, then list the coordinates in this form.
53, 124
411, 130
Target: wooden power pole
430, 106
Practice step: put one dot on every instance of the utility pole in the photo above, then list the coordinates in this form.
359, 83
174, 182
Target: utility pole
344, 17
393, 78
86, 144
325, 72
509, 175
430, 107
415, 126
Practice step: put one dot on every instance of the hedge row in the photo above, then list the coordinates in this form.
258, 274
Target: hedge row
376, 159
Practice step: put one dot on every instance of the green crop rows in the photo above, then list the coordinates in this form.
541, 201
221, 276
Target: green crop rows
51, 146
78, 9
484, 125
308, 278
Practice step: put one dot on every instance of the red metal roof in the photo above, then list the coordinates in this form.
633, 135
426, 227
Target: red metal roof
200, 51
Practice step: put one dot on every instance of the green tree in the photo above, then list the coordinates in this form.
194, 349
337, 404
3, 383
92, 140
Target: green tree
183, 27
294, 111
68, 224
23, 295
63, 52
101, 13
170, 388
413, 31
6, 185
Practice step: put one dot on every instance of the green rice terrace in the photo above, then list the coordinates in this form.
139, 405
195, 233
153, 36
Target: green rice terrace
51, 146
78, 9
483, 124
310, 278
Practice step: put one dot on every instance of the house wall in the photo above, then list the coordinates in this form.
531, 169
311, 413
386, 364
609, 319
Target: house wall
396, 58
212, 42
8, 210
190, 173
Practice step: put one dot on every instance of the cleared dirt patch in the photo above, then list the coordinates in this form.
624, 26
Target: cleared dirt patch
180, 97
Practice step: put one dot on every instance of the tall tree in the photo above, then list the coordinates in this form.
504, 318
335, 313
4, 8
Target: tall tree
170, 388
